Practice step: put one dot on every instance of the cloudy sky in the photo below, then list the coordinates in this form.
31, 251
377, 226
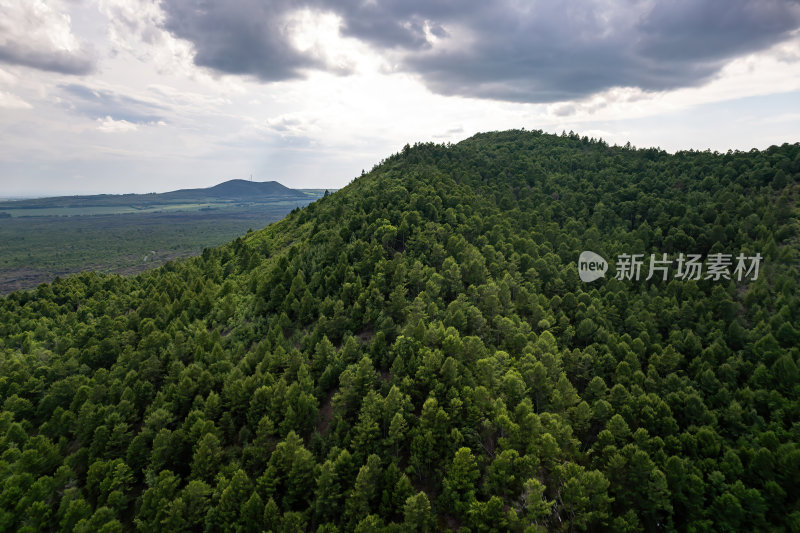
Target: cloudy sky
153, 95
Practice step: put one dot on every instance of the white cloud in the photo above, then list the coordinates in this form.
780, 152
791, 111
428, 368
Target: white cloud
318, 35
109, 125
7, 78
135, 28
12, 101
39, 35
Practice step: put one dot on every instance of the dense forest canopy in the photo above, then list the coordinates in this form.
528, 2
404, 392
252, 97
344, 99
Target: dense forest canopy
417, 352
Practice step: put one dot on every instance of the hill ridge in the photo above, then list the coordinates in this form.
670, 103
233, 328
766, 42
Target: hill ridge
236, 189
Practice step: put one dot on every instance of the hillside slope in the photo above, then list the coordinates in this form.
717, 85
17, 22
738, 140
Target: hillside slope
417, 352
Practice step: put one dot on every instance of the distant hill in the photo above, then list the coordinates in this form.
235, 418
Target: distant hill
228, 192
238, 189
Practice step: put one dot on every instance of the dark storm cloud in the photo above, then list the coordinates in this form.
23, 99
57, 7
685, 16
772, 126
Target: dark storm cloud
714, 29
537, 51
394, 23
239, 36
558, 53
100, 104
251, 37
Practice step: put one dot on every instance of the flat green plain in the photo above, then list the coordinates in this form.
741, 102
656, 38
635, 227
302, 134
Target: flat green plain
39, 243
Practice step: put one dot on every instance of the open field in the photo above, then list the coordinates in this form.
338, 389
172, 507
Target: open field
139, 209
190, 201
36, 249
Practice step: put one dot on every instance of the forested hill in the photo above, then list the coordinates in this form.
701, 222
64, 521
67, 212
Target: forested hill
417, 352
237, 189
